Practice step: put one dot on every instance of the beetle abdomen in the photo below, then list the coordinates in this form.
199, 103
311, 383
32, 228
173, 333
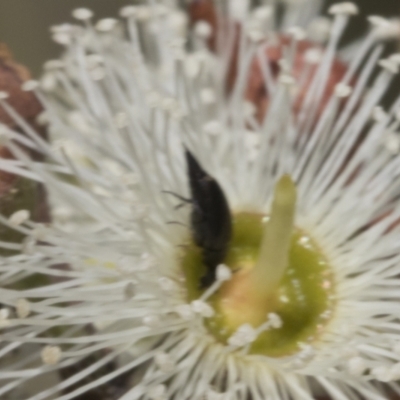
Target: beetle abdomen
211, 221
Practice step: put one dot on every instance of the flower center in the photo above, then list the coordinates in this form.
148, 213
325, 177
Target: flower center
303, 300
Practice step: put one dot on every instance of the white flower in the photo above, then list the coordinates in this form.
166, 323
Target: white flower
100, 293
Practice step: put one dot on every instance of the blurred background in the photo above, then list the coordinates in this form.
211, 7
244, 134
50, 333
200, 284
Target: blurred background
24, 24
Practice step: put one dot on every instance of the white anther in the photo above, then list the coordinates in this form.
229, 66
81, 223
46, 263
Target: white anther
185, 311
4, 95
284, 299
79, 121
157, 392
213, 128
313, 56
62, 28
43, 119
51, 355
378, 22
384, 28
164, 362
328, 313
263, 13
275, 320
287, 80
342, 90
381, 373
244, 335
392, 144
19, 217
297, 33
389, 65
23, 308
379, 114
356, 366
48, 82
202, 308
307, 352
128, 11
345, 8
207, 96
143, 13
106, 24
203, 30
54, 64
167, 284
62, 38
29, 85
320, 29
151, 321
129, 290
224, 273
82, 14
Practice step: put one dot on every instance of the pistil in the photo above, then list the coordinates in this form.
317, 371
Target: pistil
274, 252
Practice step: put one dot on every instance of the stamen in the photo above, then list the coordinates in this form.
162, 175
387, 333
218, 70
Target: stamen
244, 335
23, 308
202, 308
342, 90
19, 217
152, 321
223, 274
345, 8
106, 24
164, 362
185, 311
356, 366
82, 14
203, 30
51, 355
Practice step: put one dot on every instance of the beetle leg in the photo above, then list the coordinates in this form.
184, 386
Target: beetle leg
177, 223
178, 196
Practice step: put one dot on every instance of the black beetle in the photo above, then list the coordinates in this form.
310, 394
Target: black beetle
211, 221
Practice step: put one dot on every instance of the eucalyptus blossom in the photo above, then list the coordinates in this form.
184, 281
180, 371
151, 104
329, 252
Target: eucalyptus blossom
107, 283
